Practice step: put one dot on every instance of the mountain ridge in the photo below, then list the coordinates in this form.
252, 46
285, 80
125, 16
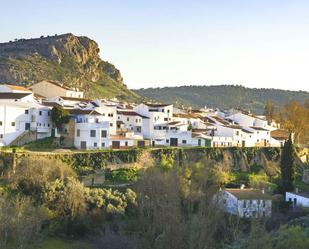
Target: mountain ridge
223, 96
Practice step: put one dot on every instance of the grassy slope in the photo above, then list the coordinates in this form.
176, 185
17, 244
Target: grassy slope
222, 96
37, 68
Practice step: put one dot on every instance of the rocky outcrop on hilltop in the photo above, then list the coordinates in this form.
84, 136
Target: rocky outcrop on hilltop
73, 60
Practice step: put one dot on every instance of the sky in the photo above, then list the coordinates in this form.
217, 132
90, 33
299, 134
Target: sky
255, 43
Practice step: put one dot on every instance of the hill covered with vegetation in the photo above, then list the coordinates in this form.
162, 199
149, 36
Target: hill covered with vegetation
223, 96
73, 60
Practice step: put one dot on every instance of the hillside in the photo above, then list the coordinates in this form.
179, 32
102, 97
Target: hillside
73, 60
222, 96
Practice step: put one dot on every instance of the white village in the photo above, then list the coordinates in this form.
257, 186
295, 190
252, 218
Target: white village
25, 116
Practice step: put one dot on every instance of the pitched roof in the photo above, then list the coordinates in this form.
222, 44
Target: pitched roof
233, 126
246, 131
83, 112
130, 113
220, 120
17, 88
50, 103
248, 194
14, 95
156, 105
280, 134
74, 99
258, 128
56, 83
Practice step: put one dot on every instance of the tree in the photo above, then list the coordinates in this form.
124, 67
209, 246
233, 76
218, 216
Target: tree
66, 198
20, 221
176, 208
269, 110
32, 174
296, 119
59, 116
288, 166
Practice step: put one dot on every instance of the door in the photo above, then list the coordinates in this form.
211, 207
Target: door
199, 142
27, 126
174, 142
83, 145
115, 144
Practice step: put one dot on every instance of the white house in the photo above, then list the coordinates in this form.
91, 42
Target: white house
245, 203
298, 199
260, 137
22, 119
130, 121
158, 116
50, 89
92, 130
229, 131
247, 119
278, 137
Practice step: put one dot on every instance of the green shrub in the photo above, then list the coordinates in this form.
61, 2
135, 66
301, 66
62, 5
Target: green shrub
123, 175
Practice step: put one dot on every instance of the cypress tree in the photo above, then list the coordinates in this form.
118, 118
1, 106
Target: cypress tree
288, 166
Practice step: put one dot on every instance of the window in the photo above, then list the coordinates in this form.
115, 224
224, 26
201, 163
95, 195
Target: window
167, 141
103, 133
92, 133
78, 133
40, 113
48, 125
165, 119
237, 133
13, 124
184, 141
110, 114
95, 145
48, 113
1, 136
244, 204
128, 119
26, 111
111, 124
0, 123
103, 144
136, 120
126, 143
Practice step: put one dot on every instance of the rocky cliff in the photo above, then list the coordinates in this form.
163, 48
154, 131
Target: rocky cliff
70, 59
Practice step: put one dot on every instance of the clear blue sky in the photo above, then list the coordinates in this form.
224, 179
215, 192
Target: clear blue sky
261, 43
